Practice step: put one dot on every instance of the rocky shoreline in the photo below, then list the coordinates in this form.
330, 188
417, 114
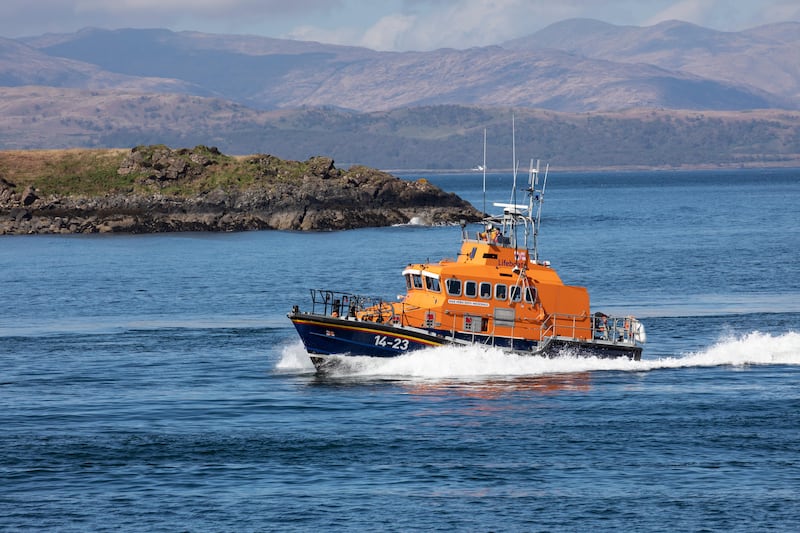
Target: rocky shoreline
313, 195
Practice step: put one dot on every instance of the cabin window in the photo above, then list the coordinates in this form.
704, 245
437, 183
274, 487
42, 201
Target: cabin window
432, 284
470, 289
409, 283
530, 294
453, 287
486, 290
516, 293
417, 281
500, 291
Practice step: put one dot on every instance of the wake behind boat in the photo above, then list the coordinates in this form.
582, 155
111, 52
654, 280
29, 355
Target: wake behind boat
497, 292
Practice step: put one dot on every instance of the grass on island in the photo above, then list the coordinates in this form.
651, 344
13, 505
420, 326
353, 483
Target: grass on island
79, 171
94, 172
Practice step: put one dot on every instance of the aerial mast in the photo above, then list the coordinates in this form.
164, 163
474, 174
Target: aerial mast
514, 162
515, 211
537, 199
484, 171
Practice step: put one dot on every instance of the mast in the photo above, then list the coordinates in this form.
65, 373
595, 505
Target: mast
514, 185
529, 223
514, 214
484, 171
536, 199
514, 162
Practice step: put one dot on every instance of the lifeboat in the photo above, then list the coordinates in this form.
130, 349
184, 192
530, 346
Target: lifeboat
497, 292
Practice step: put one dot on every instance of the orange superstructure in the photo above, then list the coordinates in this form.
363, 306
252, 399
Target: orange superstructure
492, 290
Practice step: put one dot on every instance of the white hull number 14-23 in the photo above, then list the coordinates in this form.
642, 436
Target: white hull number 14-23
385, 342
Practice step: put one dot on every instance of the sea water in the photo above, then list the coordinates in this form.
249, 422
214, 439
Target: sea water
154, 383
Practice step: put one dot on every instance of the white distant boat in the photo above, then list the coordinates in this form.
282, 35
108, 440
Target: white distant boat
479, 168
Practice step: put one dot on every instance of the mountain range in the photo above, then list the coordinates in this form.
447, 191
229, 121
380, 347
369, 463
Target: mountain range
125, 87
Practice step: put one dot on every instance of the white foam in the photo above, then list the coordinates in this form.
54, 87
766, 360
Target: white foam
755, 348
444, 362
294, 358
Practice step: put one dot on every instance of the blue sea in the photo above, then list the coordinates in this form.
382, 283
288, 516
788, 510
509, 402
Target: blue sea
154, 383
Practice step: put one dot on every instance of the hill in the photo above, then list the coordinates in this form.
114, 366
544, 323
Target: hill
22, 65
430, 137
766, 58
586, 94
268, 73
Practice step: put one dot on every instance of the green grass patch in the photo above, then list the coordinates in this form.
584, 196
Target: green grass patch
150, 169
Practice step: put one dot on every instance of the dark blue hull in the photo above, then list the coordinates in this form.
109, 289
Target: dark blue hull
324, 335
329, 335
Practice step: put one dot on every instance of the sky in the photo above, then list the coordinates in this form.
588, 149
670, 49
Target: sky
389, 25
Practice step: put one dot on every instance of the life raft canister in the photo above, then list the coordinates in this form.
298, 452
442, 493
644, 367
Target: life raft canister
637, 331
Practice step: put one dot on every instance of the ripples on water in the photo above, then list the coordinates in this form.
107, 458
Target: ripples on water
154, 383
196, 429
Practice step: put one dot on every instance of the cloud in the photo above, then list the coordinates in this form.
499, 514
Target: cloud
204, 7
384, 25
26, 17
727, 15
779, 11
389, 32
695, 11
430, 24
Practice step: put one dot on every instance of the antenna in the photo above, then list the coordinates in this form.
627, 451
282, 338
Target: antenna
514, 185
530, 190
514, 157
539, 200
484, 171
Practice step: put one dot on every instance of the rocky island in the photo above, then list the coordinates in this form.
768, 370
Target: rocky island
158, 189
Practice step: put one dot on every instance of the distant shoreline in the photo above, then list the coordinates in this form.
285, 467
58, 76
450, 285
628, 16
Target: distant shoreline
582, 169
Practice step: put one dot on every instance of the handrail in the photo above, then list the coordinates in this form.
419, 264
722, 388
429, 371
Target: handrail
617, 330
340, 302
346, 304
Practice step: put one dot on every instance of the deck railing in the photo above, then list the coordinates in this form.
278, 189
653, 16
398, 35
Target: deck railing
345, 304
601, 327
